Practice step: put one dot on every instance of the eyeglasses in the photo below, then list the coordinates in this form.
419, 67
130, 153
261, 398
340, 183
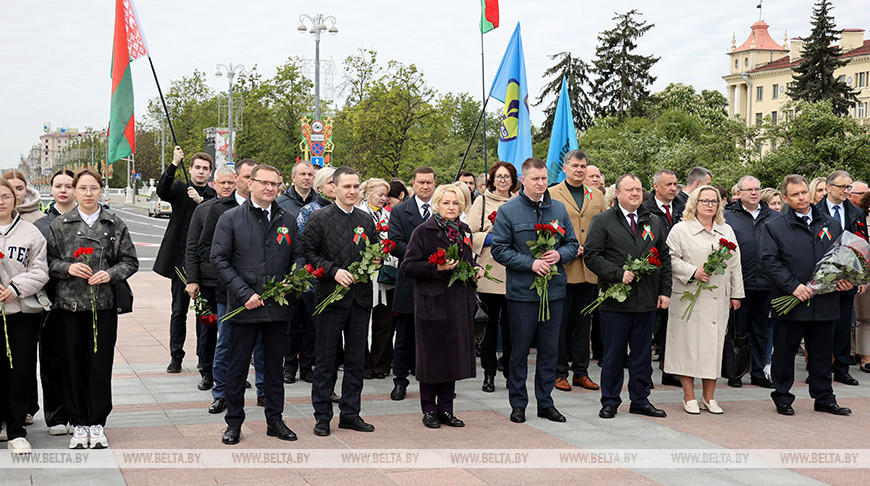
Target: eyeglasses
273, 185
708, 202
7, 198
843, 187
85, 190
502, 177
752, 189
859, 194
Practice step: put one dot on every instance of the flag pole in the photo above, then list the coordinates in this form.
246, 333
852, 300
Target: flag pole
483, 95
471, 140
166, 112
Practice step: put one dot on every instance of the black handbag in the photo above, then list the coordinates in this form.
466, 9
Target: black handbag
481, 317
737, 353
387, 275
123, 292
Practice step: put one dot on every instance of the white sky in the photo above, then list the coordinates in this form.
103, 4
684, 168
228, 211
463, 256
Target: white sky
55, 56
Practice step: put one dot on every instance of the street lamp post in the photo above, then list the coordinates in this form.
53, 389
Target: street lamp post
318, 25
231, 70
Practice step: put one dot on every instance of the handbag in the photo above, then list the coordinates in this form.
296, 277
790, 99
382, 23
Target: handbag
481, 317
36, 303
387, 275
122, 290
737, 353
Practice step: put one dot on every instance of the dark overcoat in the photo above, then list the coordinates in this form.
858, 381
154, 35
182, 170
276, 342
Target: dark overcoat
404, 218
443, 316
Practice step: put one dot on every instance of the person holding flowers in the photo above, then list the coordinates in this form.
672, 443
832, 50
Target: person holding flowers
529, 277
89, 251
443, 313
707, 276
23, 272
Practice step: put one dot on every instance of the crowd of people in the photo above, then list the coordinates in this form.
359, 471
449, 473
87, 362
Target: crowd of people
578, 270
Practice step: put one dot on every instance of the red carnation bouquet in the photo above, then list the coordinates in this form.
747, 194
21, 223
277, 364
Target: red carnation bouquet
640, 267
546, 238
383, 226
361, 270
716, 263
463, 271
200, 305
5, 330
492, 216
85, 252
298, 280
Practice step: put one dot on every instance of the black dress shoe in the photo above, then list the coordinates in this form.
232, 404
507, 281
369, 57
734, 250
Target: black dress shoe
289, 377
231, 435
670, 379
607, 412
307, 376
488, 383
217, 406
380, 375
261, 401
280, 430
518, 415
551, 414
865, 367
174, 366
784, 409
735, 382
355, 423
762, 382
649, 411
334, 398
845, 378
450, 420
430, 420
832, 408
399, 392
247, 384
368, 376
206, 383
321, 428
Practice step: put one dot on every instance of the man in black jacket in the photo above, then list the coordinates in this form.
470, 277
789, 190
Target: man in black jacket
790, 247
254, 243
333, 239
627, 230
404, 218
747, 216
697, 177
183, 197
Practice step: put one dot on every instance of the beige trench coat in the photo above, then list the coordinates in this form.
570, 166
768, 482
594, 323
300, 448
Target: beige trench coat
694, 347
492, 202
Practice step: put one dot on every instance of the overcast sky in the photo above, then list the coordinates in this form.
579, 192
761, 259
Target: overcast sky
55, 56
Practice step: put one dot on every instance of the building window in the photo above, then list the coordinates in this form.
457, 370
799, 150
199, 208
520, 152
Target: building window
773, 118
736, 63
759, 93
862, 79
861, 110
746, 62
758, 119
775, 94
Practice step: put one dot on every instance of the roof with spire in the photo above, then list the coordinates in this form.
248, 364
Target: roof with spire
759, 38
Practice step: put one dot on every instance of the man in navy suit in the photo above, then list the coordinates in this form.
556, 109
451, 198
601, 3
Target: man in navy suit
404, 218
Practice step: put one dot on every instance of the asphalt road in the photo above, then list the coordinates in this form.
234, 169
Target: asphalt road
147, 233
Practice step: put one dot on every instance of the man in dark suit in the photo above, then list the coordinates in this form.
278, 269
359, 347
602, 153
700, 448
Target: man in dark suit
697, 177
850, 218
404, 218
246, 253
791, 245
184, 197
628, 230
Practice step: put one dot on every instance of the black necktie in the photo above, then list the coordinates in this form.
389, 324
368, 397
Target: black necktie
633, 224
426, 213
806, 220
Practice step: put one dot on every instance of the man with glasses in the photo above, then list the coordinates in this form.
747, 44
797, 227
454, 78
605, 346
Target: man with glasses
859, 188
747, 216
254, 243
850, 218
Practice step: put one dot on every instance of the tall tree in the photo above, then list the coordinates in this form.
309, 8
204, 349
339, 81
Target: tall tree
815, 80
622, 76
576, 72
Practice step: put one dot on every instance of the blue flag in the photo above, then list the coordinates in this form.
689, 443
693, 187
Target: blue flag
563, 137
510, 87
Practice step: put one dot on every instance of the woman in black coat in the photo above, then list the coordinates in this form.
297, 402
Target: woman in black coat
443, 316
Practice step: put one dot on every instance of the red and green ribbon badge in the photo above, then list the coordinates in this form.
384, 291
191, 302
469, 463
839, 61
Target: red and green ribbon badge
647, 233
824, 232
587, 194
282, 235
467, 239
359, 232
559, 229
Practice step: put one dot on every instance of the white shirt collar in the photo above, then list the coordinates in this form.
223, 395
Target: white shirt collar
661, 205
420, 204
625, 213
89, 219
842, 211
239, 199
267, 210
809, 215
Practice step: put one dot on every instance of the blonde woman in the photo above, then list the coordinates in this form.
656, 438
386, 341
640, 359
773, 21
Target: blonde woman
818, 189
27, 199
772, 198
695, 345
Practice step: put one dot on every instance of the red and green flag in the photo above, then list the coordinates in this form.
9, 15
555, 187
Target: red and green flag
128, 45
488, 15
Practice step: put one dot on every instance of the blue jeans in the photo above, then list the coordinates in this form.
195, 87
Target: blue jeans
222, 356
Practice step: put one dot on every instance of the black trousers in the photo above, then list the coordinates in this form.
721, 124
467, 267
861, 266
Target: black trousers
16, 383
51, 370
87, 386
497, 311
597, 346
404, 351
178, 319
525, 327
574, 331
206, 336
299, 354
437, 397
243, 337
818, 339
660, 334
618, 330
379, 355
331, 324
754, 315
843, 334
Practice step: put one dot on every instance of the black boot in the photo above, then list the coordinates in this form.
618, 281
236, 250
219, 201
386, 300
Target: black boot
488, 383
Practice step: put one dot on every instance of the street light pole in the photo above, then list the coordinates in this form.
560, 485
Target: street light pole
318, 25
231, 70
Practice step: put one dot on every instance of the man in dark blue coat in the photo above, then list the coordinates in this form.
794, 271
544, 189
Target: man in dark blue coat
514, 226
791, 245
254, 243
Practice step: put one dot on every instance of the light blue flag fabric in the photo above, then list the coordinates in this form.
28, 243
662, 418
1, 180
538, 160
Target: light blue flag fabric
511, 88
563, 137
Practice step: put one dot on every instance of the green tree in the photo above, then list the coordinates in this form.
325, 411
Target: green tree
360, 69
622, 76
576, 72
814, 79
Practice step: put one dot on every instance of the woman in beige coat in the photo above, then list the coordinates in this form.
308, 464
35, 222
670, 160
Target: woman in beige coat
695, 345
501, 183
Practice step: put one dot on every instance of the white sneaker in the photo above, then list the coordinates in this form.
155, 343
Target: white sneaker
79, 439
28, 420
3, 436
710, 406
691, 407
98, 439
19, 446
59, 429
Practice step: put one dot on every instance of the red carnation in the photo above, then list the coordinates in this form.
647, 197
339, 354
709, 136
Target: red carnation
539, 227
441, 253
723, 242
732, 246
433, 259
442, 261
2, 255
319, 272
550, 229
654, 251
309, 268
491, 216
